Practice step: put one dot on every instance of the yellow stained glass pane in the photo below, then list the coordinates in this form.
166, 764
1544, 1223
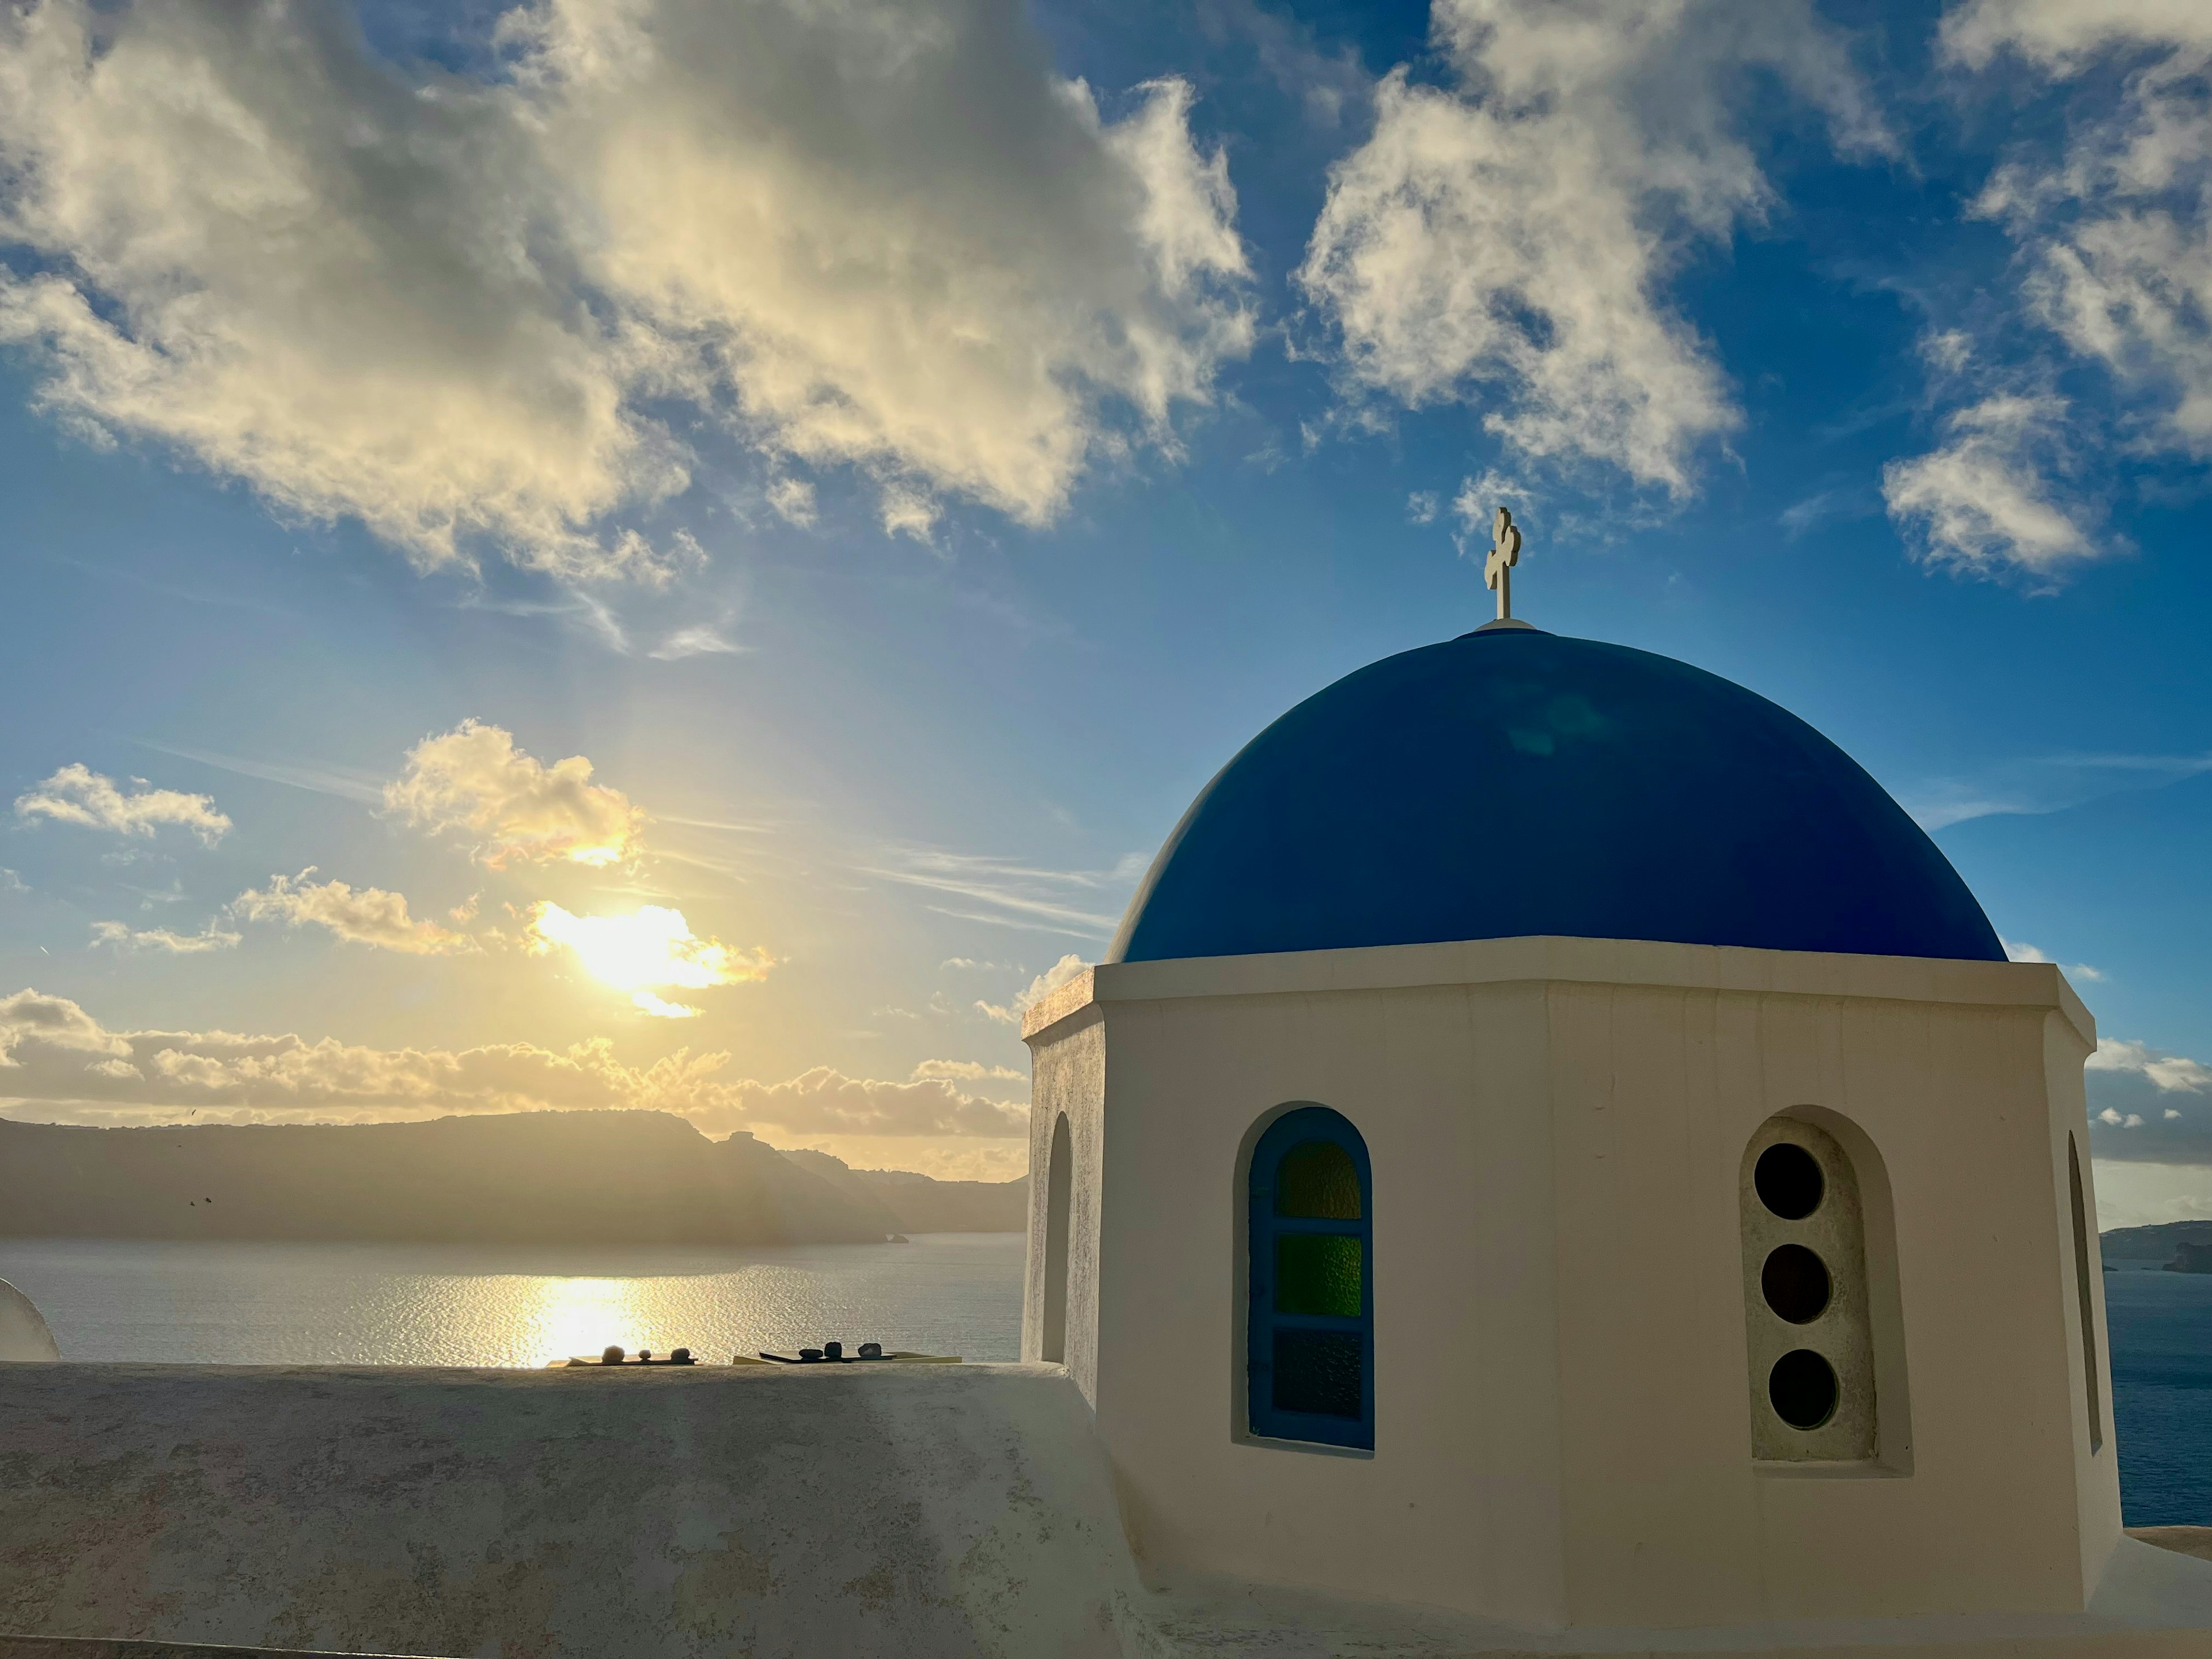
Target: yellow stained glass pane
1317, 1274
1316, 1179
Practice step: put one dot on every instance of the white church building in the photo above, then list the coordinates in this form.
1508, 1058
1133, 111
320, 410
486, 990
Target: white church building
1553, 1140
1555, 1162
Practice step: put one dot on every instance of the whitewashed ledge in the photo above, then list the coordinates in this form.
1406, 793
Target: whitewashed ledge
917, 1511
675, 1513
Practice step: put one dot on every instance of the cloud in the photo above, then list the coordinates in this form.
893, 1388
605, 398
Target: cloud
2062, 35
649, 951
2149, 1106
1040, 988
2018, 951
824, 1102
2170, 1073
793, 502
77, 794
2114, 229
52, 1051
972, 1071
121, 935
474, 781
12, 882
54, 1023
1506, 240
366, 915
1986, 500
878, 234
699, 641
1013, 894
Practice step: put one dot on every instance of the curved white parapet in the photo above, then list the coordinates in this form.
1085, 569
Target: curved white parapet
23, 1333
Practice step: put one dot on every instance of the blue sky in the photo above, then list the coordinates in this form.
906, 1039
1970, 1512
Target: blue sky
904, 450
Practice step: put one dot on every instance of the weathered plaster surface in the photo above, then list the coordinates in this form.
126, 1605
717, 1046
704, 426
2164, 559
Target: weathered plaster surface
533, 1515
935, 1510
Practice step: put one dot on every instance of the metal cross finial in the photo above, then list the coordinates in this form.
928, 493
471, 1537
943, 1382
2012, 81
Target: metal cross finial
1497, 568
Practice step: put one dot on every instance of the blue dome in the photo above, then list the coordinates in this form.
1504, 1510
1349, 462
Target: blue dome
1511, 782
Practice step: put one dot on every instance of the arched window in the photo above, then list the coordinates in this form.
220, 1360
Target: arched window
1060, 1179
2086, 1298
1310, 1350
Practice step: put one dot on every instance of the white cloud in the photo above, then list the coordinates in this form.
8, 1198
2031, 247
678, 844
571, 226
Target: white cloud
793, 502
881, 234
53, 1022
907, 511
2115, 229
263, 248
1507, 241
12, 882
2171, 1073
51, 1051
366, 915
2149, 1105
1421, 507
121, 935
651, 950
77, 794
701, 640
474, 781
1012, 894
2062, 35
1986, 499
1040, 988
2019, 952
971, 1071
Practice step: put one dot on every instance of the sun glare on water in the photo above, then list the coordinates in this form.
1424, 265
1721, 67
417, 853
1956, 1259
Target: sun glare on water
647, 951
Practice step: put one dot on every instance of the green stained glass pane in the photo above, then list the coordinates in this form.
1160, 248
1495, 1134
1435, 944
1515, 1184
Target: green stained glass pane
1317, 1179
1317, 1274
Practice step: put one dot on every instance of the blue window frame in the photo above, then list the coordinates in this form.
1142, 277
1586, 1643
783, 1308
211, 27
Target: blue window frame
1310, 1352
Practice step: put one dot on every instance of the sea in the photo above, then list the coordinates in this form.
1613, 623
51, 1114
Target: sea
948, 1293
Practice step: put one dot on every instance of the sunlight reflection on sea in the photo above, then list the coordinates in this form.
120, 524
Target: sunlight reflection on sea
483, 1304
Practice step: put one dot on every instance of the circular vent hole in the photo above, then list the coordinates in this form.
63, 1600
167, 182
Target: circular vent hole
1802, 1388
1794, 1283
1788, 1180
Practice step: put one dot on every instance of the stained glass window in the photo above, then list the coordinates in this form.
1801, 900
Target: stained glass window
1310, 1350
1318, 1179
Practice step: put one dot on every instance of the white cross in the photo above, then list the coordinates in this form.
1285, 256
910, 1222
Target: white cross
1497, 568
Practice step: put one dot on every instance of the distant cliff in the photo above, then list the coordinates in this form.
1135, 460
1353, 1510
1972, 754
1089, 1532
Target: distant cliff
640, 1177
2182, 1246
917, 1204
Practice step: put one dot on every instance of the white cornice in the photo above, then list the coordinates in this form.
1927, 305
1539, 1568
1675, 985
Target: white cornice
1575, 961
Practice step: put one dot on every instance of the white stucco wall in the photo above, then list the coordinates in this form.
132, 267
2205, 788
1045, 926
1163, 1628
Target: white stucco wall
908, 1512
1556, 1128
1073, 1075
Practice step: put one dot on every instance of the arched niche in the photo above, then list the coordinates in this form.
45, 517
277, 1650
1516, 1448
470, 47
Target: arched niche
1824, 1332
1059, 1188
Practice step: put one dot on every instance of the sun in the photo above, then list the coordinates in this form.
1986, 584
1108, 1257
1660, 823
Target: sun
651, 950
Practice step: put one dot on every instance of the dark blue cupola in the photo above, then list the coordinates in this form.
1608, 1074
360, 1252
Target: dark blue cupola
1514, 782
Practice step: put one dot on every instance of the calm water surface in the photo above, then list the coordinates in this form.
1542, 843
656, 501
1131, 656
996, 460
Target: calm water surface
473, 1304
478, 1305
2160, 1326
